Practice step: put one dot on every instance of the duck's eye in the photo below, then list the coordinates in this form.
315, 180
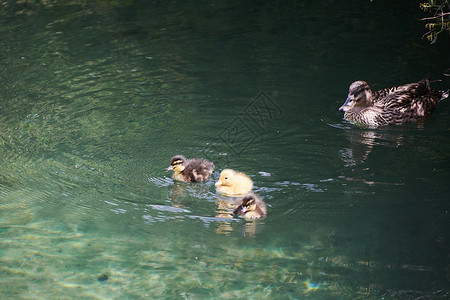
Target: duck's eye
226, 178
359, 93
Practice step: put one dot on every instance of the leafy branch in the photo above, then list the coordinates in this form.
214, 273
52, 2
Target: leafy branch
440, 22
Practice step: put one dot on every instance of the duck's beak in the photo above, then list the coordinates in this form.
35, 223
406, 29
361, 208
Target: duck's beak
346, 107
169, 168
218, 183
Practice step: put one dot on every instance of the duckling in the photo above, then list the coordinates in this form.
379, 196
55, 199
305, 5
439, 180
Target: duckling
234, 183
250, 207
192, 170
412, 102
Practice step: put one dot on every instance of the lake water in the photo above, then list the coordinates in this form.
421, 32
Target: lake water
97, 96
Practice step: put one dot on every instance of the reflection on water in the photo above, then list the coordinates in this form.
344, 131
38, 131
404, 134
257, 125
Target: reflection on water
224, 209
362, 142
199, 196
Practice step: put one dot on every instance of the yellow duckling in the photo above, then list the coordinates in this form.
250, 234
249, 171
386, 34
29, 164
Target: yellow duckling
192, 170
233, 183
250, 207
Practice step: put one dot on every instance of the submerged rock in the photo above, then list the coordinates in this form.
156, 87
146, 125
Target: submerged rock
102, 277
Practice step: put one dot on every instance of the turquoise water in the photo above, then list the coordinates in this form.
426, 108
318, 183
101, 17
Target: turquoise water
96, 97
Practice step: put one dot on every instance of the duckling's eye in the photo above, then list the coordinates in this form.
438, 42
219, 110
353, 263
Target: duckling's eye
251, 202
226, 178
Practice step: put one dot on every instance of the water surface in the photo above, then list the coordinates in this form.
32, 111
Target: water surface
97, 97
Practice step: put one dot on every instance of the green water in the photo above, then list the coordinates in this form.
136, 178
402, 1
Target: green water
97, 96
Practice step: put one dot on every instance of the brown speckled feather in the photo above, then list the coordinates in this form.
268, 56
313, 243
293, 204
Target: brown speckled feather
408, 103
192, 170
197, 169
412, 102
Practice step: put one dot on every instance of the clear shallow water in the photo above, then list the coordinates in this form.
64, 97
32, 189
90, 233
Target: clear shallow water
96, 98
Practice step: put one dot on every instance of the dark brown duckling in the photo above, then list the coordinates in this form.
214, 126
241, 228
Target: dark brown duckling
250, 207
412, 102
192, 170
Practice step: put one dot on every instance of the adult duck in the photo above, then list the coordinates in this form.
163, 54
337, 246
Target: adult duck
413, 102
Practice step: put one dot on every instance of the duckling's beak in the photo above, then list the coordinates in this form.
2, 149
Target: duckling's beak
346, 107
169, 168
218, 183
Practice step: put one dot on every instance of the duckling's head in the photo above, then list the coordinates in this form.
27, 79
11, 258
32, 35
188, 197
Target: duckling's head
177, 163
359, 97
248, 204
226, 178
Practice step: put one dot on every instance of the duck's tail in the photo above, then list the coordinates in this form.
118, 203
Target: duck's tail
444, 94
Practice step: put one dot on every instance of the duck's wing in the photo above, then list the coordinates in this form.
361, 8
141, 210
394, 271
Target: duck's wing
406, 103
423, 89
198, 169
402, 95
260, 206
415, 89
261, 211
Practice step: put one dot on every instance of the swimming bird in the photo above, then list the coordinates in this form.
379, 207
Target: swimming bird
192, 170
233, 183
250, 207
413, 102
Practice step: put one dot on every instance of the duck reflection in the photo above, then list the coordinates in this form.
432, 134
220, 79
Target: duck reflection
252, 228
362, 141
182, 192
224, 209
223, 214
176, 193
